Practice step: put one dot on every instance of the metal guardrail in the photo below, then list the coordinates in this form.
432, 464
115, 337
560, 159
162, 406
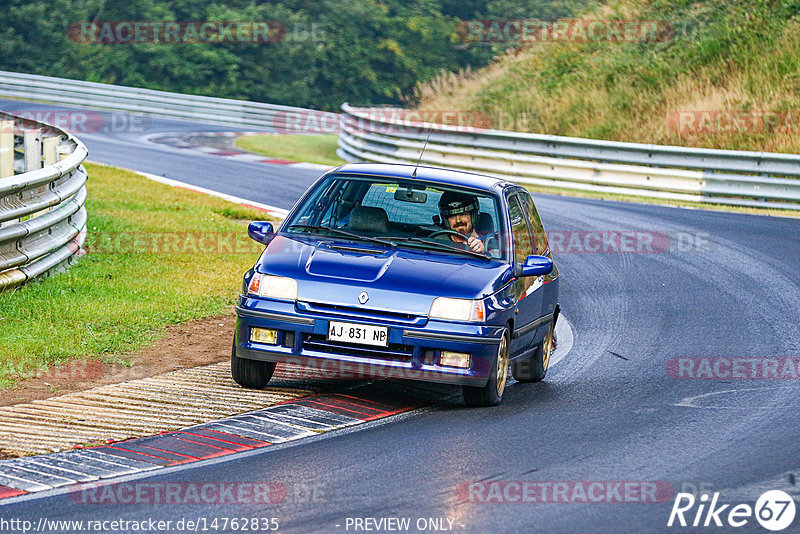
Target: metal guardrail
756, 179
42, 195
224, 111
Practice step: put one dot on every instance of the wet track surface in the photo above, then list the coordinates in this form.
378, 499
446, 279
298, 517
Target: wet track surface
717, 285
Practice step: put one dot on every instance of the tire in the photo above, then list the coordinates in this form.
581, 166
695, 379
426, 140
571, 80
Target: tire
534, 369
492, 393
252, 374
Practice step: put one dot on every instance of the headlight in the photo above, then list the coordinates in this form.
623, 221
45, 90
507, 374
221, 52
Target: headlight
458, 309
274, 287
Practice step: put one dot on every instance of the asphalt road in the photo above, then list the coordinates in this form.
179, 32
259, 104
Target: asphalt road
120, 139
609, 411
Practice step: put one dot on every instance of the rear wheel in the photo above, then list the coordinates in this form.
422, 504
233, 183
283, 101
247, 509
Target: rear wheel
253, 374
534, 369
492, 393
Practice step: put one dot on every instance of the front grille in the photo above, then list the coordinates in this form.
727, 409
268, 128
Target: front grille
353, 312
394, 352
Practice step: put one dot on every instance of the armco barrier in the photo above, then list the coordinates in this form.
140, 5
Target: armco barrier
757, 179
691, 174
42, 195
238, 113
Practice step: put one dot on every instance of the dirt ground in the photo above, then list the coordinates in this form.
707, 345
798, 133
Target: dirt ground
198, 342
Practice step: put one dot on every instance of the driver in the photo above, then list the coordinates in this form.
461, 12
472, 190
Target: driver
459, 212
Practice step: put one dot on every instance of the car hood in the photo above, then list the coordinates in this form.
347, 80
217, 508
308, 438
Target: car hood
403, 280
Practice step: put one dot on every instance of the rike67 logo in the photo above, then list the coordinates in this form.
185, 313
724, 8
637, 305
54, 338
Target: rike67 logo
774, 510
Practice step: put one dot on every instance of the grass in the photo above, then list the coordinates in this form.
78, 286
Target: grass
157, 256
736, 56
306, 148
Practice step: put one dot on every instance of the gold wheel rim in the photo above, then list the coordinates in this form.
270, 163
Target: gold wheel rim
547, 348
502, 366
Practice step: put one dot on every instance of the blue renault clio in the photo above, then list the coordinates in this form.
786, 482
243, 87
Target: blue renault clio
402, 272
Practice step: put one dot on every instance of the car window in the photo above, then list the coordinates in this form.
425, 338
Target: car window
519, 229
537, 229
387, 207
318, 206
382, 196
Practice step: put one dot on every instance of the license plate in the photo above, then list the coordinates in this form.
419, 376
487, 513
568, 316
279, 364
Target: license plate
362, 334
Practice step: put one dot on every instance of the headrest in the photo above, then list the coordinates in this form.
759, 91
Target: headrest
369, 219
485, 224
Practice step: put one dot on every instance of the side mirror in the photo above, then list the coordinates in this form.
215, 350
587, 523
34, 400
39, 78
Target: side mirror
537, 265
260, 231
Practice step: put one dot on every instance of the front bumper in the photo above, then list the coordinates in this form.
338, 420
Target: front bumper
413, 352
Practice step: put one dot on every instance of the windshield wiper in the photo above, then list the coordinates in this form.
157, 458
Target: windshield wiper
345, 233
441, 245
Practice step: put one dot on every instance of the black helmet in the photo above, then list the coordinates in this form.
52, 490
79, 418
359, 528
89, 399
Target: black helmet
452, 203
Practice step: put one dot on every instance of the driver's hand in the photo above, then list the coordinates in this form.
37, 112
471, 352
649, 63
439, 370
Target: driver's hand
475, 244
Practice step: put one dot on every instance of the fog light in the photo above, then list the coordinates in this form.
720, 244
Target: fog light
264, 335
454, 359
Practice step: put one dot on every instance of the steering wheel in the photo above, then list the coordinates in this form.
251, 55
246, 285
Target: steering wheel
446, 232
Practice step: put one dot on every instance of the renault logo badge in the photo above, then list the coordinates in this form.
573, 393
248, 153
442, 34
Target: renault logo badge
363, 297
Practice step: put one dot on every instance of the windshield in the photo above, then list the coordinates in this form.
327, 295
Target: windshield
398, 213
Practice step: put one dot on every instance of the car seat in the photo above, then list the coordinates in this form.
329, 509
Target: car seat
369, 219
485, 224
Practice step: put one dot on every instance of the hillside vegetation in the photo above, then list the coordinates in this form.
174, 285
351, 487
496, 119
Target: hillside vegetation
319, 53
726, 75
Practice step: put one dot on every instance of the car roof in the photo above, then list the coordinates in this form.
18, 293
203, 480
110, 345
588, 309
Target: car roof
427, 174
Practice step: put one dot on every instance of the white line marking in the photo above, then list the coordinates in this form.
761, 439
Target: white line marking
316, 166
565, 340
688, 402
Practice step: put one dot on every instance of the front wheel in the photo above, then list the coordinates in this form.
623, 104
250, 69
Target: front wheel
492, 393
252, 374
534, 369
